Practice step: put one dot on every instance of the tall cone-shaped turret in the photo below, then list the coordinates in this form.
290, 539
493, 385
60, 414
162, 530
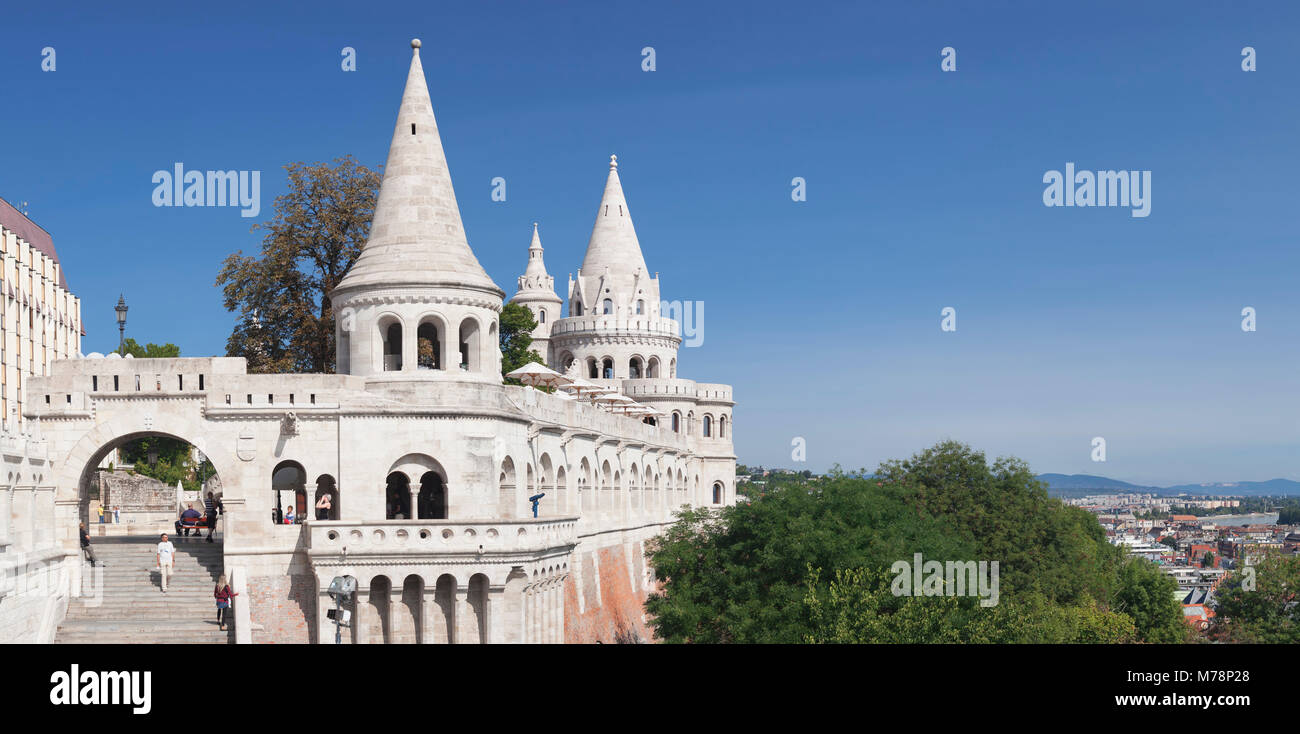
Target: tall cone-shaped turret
416, 237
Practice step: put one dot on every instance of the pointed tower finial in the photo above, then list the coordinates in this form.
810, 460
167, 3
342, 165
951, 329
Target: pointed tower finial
415, 44
613, 162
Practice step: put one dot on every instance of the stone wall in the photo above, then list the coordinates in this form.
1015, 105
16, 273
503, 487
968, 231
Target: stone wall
283, 608
611, 583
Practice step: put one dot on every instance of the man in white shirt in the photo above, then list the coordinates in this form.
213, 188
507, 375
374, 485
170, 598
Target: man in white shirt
166, 555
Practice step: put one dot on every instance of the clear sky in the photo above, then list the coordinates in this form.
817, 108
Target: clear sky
924, 190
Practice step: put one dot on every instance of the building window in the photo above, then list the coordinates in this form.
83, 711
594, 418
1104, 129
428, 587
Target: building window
708, 426
609, 306
541, 316
393, 347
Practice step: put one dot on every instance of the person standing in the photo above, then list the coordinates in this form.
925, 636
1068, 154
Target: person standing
223, 595
210, 515
85, 545
100, 509
166, 558
117, 514
323, 507
288, 516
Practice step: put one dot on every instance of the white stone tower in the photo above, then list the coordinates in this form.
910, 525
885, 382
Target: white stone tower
614, 329
416, 304
537, 293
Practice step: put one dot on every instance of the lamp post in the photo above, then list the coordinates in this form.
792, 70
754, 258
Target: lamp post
121, 324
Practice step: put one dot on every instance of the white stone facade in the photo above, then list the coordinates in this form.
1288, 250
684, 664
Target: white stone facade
430, 460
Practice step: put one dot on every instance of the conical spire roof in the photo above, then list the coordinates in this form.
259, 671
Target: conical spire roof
613, 242
536, 267
416, 237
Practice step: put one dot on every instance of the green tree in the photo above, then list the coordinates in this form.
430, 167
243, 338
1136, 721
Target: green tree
148, 351
282, 296
1149, 596
517, 324
1261, 603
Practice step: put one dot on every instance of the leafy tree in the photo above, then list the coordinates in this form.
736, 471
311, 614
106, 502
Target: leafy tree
517, 324
148, 351
1261, 603
1148, 595
282, 296
172, 463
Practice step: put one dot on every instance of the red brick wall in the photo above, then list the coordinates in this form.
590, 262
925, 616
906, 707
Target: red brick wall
619, 609
284, 607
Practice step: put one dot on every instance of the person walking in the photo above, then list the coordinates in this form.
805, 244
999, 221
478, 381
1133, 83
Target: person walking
166, 559
323, 507
210, 515
223, 595
85, 545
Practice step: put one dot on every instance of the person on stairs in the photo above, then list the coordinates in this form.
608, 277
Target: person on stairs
223, 595
210, 515
85, 546
166, 558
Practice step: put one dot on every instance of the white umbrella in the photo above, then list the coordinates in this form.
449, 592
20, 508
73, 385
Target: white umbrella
563, 395
613, 399
580, 387
536, 374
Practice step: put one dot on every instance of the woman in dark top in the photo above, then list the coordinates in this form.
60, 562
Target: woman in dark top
223, 596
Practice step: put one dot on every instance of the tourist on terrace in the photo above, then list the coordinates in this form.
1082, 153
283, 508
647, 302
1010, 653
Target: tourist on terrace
323, 507
288, 516
210, 505
189, 519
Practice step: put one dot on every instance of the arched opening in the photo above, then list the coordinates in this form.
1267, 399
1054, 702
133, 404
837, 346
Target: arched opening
327, 493
427, 351
608, 306
566, 362
506, 488
708, 426
586, 502
375, 626
561, 490
607, 368
289, 484
677, 422
690, 423
444, 610
717, 493
634, 368
432, 498
478, 607
469, 346
593, 371
541, 315
392, 347
640, 307
397, 496
135, 460
652, 368
407, 614
722, 426
672, 368
577, 308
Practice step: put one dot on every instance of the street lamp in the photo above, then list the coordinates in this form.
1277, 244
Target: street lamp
121, 324
341, 590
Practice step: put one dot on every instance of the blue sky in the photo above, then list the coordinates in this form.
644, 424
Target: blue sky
924, 190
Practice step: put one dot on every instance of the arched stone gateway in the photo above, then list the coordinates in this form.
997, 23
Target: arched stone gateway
427, 457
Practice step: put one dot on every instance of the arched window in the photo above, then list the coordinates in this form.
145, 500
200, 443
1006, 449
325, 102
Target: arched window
397, 496
640, 306
690, 423
607, 369
469, 349
672, 367
541, 315
708, 426
717, 493
432, 500
677, 422
426, 349
592, 370
609, 306
634, 368
652, 367
722, 426
393, 347
577, 308
289, 483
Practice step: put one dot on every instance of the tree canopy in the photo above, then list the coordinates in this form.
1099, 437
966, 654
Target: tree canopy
517, 324
282, 296
148, 351
811, 562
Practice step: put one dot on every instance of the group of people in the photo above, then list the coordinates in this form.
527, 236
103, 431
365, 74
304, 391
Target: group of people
323, 506
116, 512
190, 518
166, 560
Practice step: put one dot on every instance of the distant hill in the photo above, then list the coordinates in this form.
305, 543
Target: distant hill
1073, 483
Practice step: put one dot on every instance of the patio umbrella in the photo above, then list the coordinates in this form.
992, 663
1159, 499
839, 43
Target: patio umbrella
539, 375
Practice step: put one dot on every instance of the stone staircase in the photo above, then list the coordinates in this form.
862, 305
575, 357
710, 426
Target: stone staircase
133, 609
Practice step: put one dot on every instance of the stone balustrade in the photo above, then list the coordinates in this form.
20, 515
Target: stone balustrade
411, 538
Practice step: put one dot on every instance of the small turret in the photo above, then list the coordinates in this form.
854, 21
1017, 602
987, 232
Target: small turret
537, 293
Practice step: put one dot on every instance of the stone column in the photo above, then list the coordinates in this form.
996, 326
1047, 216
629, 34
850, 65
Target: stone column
464, 615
